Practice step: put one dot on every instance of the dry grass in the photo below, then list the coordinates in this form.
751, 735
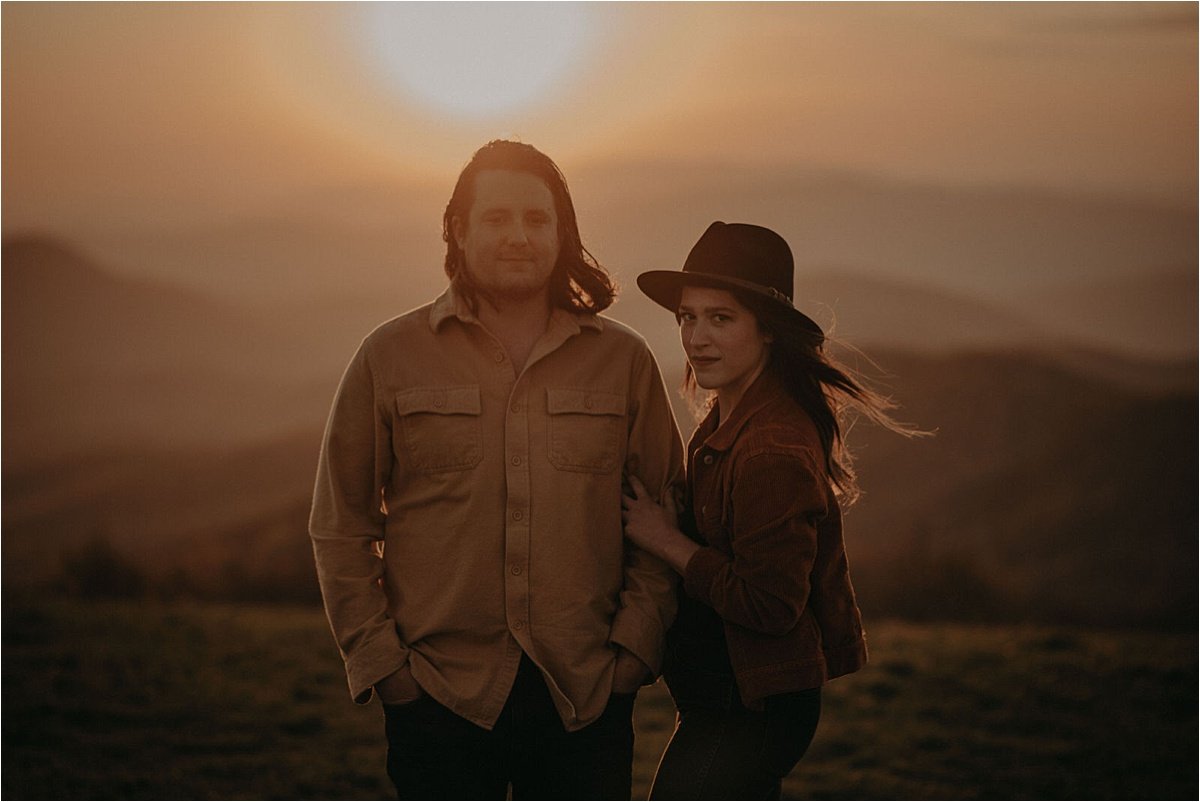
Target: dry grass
120, 700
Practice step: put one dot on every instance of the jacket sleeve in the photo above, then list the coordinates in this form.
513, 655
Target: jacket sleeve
655, 455
347, 530
778, 497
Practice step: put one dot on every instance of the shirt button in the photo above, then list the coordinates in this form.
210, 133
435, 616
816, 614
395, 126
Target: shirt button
708, 459
518, 624
518, 515
516, 460
587, 401
516, 408
516, 570
499, 356
439, 403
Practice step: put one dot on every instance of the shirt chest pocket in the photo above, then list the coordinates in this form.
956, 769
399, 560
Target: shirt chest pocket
439, 428
586, 429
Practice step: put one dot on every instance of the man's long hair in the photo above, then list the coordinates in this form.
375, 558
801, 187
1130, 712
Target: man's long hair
578, 282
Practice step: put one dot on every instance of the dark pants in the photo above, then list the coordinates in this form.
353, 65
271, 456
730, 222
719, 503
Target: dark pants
722, 750
435, 754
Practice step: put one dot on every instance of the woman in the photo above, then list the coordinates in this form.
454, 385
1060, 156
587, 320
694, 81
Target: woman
767, 610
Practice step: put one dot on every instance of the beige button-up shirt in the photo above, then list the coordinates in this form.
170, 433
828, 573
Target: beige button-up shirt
496, 499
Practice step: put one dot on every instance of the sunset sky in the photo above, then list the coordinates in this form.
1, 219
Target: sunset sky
158, 115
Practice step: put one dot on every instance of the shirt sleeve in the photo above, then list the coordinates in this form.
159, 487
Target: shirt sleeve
347, 529
778, 499
655, 455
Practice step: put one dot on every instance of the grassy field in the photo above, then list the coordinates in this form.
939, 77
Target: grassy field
138, 701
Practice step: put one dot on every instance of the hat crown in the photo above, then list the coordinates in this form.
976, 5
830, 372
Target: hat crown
739, 257
744, 252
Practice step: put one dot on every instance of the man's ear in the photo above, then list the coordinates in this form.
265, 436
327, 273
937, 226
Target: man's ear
459, 229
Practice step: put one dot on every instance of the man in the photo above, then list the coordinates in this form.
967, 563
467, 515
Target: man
466, 521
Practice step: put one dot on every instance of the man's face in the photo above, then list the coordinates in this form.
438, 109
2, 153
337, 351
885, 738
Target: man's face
510, 236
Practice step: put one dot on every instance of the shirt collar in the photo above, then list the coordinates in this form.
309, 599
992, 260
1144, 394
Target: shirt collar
765, 389
451, 304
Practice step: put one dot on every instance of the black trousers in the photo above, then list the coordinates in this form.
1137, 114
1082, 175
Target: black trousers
722, 750
436, 754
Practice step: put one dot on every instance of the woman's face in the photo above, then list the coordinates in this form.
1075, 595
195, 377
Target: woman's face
723, 342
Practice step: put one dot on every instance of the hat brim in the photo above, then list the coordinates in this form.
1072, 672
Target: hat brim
664, 287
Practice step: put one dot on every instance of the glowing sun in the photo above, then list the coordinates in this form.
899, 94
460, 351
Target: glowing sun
479, 59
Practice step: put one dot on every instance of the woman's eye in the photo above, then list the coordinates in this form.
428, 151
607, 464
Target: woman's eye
720, 318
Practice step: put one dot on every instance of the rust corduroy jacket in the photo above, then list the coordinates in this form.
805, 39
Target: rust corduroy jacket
773, 565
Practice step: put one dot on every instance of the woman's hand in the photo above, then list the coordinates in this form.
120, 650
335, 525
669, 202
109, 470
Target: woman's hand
653, 527
646, 523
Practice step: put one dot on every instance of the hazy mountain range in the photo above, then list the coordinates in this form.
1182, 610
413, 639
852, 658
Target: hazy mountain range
184, 429
1112, 271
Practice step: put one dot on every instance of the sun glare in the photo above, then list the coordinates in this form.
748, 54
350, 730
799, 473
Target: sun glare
478, 59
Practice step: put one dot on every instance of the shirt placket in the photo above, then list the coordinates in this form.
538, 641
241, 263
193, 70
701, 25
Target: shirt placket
517, 512
703, 471
518, 482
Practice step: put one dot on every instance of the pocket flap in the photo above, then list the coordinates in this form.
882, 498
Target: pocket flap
583, 402
460, 400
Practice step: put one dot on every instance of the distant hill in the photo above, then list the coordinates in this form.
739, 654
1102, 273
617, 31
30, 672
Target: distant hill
63, 312
1045, 495
873, 312
95, 360
999, 243
1050, 262
869, 312
1151, 317
184, 431
871, 316
182, 514
1153, 312
161, 364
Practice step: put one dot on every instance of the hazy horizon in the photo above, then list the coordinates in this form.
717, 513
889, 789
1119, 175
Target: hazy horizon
279, 155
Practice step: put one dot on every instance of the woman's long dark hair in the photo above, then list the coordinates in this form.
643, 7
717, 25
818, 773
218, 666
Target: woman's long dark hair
578, 283
831, 393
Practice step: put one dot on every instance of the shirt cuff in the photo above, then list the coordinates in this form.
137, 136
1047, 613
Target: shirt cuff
641, 635
701, 571
370, 663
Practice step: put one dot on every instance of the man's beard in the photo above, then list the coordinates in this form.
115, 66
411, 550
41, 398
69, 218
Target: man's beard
515, 290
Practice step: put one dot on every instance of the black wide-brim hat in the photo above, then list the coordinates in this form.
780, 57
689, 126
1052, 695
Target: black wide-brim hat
733, 256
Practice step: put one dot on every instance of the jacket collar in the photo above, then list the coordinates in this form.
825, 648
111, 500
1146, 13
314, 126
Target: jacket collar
765, 389
451, 304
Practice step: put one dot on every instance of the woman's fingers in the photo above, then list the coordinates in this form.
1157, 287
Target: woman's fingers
636, 505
